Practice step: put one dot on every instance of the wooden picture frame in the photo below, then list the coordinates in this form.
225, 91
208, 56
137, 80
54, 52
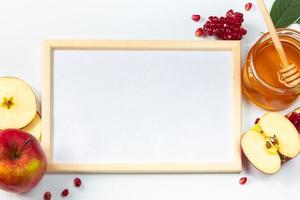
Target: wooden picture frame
47, 114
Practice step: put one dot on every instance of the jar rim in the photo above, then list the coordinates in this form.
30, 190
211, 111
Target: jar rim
264, 37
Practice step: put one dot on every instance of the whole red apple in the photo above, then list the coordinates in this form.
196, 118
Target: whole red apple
22, 161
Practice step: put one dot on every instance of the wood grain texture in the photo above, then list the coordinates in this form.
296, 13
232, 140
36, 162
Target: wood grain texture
155, 168
47, 102
273, 33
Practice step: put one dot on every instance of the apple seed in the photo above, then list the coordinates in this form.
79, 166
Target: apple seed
272, 145
268, 145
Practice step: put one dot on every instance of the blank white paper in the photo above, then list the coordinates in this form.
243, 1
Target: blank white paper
142, 106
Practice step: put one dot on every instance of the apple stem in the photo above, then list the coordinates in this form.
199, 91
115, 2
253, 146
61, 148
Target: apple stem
22, 147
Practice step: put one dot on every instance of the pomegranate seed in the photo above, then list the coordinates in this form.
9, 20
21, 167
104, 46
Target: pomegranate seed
229, 13
238, 37
243, 180
243, 31
248, 6
47, 196
196, 18
199, 32
77, 182
65, 193
238, 15
257, 120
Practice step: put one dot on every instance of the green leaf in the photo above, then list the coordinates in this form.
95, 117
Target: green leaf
298, 21
285, 12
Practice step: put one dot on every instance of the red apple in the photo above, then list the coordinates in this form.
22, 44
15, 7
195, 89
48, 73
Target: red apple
22, 161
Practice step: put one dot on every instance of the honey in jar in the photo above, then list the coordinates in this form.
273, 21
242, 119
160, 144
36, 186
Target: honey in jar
261, 84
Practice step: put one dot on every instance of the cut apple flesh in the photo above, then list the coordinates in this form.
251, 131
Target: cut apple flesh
255, 148
273, 124
35, 127
17, 103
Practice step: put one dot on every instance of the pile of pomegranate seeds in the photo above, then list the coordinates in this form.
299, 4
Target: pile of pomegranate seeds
47, 196
248, 6
227, 27
243, 180
295, 119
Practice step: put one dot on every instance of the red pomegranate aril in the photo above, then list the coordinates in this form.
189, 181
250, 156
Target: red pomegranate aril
243, 180
77, 182
47, 196
239, 37
238, 15
196, 18
237, 25
228, 31
248, 6
199, 32
65, 193
237, 30
219, 35
234, 35
243, 31
229, 13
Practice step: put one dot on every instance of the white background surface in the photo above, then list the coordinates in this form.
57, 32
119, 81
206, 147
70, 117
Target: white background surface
143, 107
23, 26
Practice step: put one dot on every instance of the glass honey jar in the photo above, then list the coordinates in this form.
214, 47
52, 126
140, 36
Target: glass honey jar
261, 84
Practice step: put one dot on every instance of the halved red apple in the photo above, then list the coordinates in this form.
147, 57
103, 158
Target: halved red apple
274, 135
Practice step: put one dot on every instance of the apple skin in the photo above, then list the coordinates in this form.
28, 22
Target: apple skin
22, 161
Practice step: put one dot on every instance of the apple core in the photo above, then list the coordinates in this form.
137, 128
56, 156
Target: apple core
7, 102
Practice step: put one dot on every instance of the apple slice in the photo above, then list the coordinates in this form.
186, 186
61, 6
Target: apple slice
273, 137
17, 103
254, 147
35, 127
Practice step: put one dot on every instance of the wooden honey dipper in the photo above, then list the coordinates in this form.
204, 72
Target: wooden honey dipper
288, 75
